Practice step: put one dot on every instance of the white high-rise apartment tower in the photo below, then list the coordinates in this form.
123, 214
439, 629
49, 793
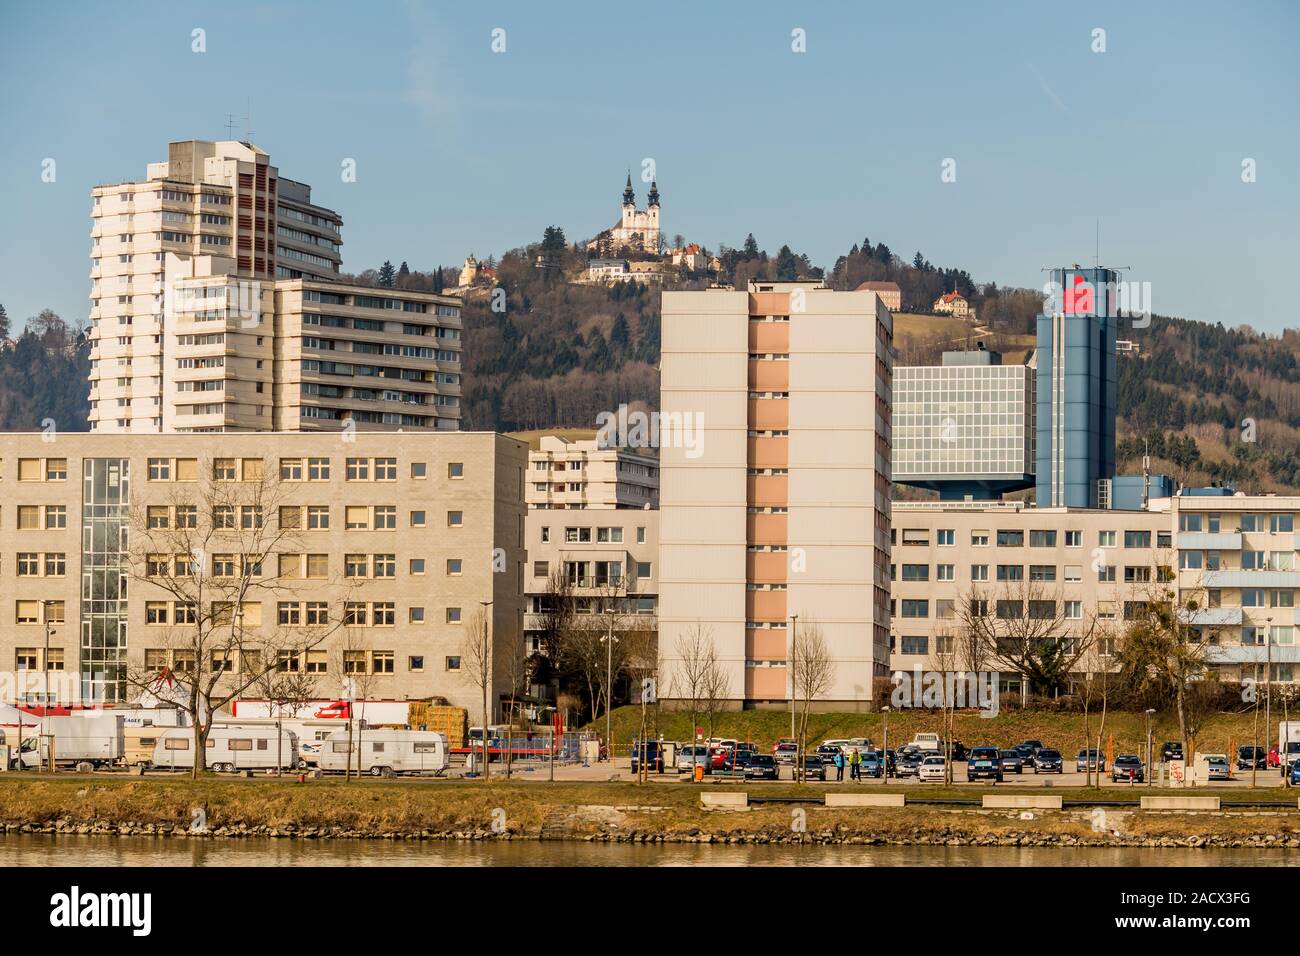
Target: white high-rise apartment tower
216, 306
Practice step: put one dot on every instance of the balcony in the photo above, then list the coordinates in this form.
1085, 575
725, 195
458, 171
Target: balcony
1252, 579
1252, 654
1212, 616
1209, 541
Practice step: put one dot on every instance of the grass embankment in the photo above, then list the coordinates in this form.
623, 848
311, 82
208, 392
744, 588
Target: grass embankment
1061, 730
614, 812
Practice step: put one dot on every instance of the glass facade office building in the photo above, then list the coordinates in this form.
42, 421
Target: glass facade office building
1076, 389
964, 428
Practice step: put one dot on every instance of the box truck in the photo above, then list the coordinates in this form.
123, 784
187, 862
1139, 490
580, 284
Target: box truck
85, 741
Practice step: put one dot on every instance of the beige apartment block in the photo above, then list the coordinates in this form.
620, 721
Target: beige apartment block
1236, 574
610, 562
567, 474
215, 307
593, 515
403, 536
1077, 570
220, 199
780, 508
1237, 560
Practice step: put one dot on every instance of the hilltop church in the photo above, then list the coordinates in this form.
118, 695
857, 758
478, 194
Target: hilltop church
637, 230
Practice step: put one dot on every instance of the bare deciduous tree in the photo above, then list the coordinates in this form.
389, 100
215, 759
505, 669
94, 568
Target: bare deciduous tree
478, 663
812, 673
212, 562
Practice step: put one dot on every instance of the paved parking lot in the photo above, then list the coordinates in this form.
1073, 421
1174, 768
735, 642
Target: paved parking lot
1241, 779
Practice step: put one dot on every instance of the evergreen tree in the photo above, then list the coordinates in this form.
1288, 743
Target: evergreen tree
751, 248
619, 336
403, 271
387, 275
787, 264
438, 282
4, 323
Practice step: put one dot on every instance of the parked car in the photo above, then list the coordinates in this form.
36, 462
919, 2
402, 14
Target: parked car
927, 741
746, 747
1048, 761
762, 767
1028, 749
906, 763
786, 751
932, 768
737, 760
984, 762
1171, 750
872, 764
1127, 767
1090, 759
812, 768
718, 758
783, 741
690, 755
1216, 767
1252, 758
1012, 762
1294, 778
829, 750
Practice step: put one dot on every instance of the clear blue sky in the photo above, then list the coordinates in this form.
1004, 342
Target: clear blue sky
459, 149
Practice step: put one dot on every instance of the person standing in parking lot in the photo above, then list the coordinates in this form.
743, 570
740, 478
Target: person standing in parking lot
855, 765
839, 765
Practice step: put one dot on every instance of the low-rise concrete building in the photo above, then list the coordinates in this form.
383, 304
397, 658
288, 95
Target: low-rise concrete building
386, 543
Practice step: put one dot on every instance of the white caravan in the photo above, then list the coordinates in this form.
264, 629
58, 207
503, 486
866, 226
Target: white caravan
386, 752
229, 749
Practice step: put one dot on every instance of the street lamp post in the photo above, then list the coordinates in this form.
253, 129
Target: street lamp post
1149, 712
486, 664
794, 637
608, 641
45, 702
884, 748
1268, 689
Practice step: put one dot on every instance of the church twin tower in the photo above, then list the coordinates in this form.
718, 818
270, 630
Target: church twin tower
638, 229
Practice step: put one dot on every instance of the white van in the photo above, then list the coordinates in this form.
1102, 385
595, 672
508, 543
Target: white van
385, 752
230, 748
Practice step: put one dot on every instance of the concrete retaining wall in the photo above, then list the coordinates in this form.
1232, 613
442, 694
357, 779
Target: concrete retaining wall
1021, 801
866, 799
727, 801
1180, 803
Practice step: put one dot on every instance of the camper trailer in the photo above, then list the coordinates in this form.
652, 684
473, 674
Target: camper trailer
384, 753
311, 733
230, 748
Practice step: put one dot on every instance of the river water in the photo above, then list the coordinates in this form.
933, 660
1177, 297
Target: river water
104, 851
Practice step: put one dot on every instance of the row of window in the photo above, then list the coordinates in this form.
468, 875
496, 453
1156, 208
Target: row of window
377, 662
291, 469
1047, 573
291, 517
1015, 538
291, 567
1013, 610
1249, 522
295, 613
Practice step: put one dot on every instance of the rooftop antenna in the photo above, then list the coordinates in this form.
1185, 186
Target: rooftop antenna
230, 126
248, 121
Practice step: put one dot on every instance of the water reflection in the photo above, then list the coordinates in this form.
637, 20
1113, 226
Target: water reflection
103, 851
